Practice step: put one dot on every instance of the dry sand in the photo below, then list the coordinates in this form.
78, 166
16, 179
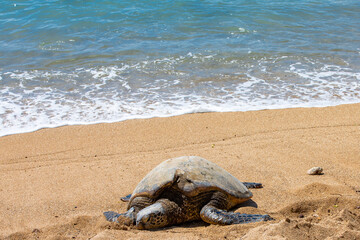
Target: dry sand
55, 183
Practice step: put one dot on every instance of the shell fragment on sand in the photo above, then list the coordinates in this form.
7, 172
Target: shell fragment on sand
315, 171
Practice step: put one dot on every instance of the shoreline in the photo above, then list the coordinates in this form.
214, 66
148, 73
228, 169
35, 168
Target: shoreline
54, 178
194, 111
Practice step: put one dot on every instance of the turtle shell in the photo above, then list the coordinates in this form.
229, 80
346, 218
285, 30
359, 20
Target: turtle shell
193, 175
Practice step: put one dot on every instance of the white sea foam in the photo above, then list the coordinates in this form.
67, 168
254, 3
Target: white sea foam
30, 100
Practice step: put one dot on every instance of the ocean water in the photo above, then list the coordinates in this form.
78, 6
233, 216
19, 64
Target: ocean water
80, 62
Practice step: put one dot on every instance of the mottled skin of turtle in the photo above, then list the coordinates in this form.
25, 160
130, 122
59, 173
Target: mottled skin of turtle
185, 189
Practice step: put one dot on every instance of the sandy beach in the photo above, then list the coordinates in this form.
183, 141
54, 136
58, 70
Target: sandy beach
56, 183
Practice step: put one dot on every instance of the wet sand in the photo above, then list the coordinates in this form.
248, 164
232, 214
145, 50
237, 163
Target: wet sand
55, 183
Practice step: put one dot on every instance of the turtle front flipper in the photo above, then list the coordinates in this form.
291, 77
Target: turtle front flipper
252, 185
111, 216
213, 215
127, 218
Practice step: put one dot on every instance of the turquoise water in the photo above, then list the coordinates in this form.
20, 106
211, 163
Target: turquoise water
80, 62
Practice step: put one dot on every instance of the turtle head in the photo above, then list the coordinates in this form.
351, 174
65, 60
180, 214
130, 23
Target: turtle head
153, 216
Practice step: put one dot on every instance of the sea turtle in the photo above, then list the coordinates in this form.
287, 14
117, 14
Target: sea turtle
185, 189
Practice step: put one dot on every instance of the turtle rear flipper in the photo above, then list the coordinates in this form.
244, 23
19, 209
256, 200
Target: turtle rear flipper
214, 215
126, 198
253, 185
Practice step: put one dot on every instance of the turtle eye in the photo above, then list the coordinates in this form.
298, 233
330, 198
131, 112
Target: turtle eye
145, 218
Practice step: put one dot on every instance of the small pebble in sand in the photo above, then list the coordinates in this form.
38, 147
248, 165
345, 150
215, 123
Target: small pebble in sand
315, 171
301, 216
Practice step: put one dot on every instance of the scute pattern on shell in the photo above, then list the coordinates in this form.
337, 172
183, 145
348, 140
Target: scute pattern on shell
193, 175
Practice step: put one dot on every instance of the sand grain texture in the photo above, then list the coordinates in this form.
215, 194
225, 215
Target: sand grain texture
55, 183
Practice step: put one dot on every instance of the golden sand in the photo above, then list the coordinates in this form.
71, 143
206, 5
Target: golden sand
55, 183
